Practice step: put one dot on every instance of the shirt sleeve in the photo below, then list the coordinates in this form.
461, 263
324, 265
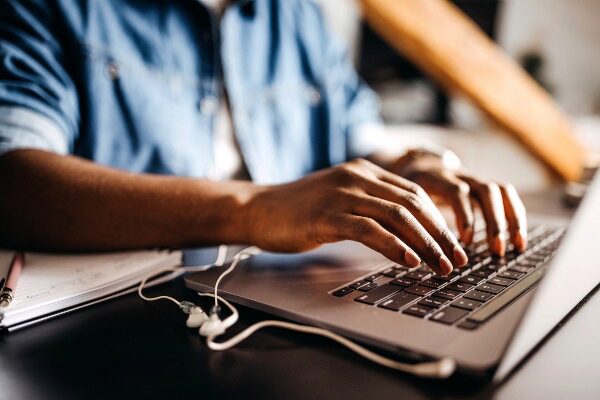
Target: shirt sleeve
21, 128
38, 99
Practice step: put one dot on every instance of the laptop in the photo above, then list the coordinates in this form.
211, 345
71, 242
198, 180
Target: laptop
487, 316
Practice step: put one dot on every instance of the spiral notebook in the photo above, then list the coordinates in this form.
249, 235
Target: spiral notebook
52, 285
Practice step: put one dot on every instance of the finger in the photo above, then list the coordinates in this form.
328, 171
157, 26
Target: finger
422, 208
516, 216
410, 186
373, 235
406, 227
489, 198
456, 193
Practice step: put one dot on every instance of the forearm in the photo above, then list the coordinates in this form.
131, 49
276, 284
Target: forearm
65, 203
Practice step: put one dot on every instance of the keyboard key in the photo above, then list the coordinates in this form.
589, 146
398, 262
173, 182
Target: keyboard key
492, 307
402, 282
490, 288
511, 274
433, 283
449, 315
447, 294
478, 295
536, 258
342, 292
466, 304
419, 290
452, 276
521, 268
368, 286
378, 294
433, 302
459, 286
418, 310
484, 257
372, 277
471, 279
398, 301
469, 325
358, 284
483, 273
528, 263
417, 275
391, 272
498, 280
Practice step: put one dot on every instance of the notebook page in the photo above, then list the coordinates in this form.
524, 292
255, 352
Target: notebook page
48, 279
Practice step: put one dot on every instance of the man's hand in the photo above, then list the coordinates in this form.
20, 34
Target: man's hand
357, 201
499, 203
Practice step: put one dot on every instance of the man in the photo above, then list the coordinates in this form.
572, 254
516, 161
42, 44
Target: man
115, 117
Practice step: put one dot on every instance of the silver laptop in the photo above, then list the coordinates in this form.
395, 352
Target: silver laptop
487, 317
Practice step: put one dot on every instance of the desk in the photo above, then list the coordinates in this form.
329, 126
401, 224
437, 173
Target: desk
128, 349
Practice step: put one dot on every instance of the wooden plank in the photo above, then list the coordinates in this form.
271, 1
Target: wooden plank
449, 47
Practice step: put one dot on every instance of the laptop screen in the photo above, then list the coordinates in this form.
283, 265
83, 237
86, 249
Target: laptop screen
572, 274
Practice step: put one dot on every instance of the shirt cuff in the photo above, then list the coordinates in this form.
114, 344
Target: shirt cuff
21, 128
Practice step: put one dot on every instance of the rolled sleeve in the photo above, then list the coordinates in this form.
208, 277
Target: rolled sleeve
38, 98
21, 128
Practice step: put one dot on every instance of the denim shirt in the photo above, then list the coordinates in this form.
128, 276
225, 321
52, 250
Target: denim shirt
134, 84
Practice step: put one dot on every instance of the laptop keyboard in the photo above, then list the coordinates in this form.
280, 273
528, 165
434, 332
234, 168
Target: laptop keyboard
469, 296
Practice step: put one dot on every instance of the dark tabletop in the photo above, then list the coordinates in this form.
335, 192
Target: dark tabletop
126, 348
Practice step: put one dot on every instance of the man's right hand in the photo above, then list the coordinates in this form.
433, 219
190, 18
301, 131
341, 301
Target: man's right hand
354, 201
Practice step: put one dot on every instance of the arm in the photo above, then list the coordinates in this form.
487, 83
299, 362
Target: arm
66, 203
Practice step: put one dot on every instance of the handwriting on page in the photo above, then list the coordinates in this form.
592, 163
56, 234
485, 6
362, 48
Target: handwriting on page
52, 278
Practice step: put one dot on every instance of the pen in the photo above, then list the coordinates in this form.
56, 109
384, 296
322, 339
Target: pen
14, 271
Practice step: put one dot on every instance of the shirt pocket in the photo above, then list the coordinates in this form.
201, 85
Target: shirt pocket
144, 115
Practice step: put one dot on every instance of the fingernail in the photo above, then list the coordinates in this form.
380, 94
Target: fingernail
460, 257
500, 244
445, 266
411, 258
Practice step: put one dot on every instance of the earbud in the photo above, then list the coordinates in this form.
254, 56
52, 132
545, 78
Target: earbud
213, 326
196, 318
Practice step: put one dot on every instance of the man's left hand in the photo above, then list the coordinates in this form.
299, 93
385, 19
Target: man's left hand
453, 185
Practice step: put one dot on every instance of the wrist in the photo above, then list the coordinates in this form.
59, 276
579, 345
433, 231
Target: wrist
447, 159
248, 205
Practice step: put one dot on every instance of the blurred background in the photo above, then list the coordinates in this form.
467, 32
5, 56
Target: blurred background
556, 41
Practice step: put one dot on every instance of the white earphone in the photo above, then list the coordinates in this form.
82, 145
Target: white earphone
211, 325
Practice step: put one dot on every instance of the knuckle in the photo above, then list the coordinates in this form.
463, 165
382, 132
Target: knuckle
449, 237
361, 162
345, 174
415, 189
363, 227
461, 188
398, 212
414, 202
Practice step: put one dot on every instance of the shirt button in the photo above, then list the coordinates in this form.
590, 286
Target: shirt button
112, 70
208, 105
313, 95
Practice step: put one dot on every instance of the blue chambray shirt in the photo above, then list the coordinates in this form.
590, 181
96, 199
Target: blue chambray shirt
129, 84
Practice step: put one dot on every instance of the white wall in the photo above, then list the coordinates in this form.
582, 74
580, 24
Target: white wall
567, 34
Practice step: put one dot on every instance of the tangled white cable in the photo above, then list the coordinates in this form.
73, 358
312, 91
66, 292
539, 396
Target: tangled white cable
211, 326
